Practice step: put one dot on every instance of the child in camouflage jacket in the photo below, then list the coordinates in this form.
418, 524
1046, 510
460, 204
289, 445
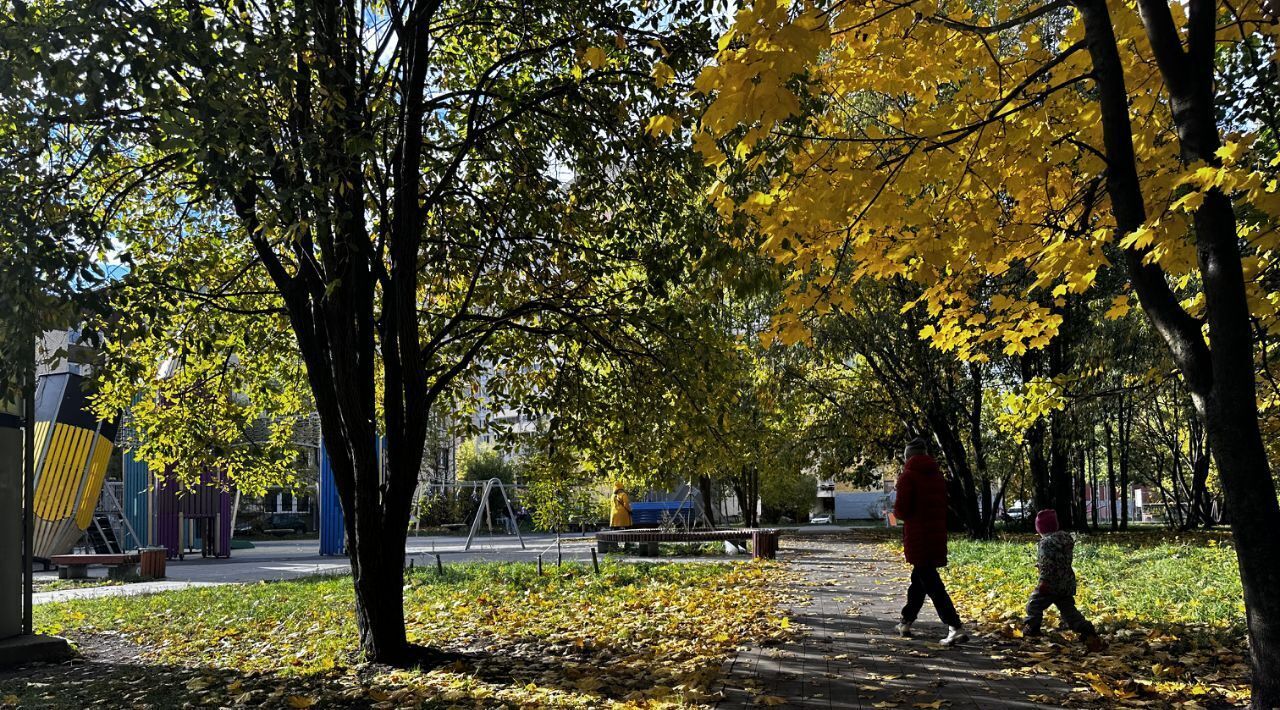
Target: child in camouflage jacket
1057, 582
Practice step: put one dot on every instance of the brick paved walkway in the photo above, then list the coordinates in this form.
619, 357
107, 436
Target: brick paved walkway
848, 597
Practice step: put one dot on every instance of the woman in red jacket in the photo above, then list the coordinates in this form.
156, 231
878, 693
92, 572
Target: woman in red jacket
922, 506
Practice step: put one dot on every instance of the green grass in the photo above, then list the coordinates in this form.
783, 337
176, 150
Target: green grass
568, 638
58, 585
1152, 579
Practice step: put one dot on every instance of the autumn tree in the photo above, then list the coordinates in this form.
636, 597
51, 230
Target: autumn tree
50, 254
409, 180
1064, 138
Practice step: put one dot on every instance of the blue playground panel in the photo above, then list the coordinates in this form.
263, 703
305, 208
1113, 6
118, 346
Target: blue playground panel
643, 514
332, 533
137, 500
333, 540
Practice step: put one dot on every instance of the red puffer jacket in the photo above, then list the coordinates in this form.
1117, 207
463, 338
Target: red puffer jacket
922, 506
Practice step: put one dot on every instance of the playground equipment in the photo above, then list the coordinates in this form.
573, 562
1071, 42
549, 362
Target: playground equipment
664, 514
686, 513
482, 513
72, 450
165, 513
333, 536
329, 508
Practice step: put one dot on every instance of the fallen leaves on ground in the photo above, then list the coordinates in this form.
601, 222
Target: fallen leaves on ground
637, 635
1168, 606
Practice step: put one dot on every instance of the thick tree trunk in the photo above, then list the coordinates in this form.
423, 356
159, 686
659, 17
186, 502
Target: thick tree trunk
1222, 380
377, 567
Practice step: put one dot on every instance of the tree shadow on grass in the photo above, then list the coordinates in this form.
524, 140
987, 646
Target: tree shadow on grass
114, 672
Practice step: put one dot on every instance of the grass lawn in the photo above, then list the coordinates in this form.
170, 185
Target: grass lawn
43, 584
644, 635
1169, 605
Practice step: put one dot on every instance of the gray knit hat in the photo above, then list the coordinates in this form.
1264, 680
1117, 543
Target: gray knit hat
917, 446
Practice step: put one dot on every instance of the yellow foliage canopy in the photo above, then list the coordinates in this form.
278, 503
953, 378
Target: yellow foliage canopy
924, 141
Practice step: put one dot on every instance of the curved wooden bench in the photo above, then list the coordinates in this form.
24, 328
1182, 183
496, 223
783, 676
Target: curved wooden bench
764, 541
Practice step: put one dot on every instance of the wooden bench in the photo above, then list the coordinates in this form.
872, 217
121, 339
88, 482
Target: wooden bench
121, 566
764, 542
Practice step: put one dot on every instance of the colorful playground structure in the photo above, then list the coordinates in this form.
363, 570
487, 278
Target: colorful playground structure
161, 512
72, 451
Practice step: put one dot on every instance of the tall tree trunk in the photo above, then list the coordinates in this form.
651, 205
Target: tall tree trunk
747, 489
963, 497
1082, 493
1041, 488
1060, 471
708, 503
1221, 380
1041, 491
1111, 476
987, 514
1126, 431
1200, 463
1093, 483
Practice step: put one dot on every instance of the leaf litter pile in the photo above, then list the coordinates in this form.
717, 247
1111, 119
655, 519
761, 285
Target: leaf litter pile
637, 635
1170, 608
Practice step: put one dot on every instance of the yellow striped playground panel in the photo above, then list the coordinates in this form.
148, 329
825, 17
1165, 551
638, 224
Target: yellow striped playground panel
68, 484
93, 482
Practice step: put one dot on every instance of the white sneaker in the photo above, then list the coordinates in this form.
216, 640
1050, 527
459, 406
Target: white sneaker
904, 629
954, 636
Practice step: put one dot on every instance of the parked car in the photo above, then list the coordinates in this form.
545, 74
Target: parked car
821, 520
285, 523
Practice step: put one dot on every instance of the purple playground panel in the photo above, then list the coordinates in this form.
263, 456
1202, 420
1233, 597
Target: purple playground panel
206, 507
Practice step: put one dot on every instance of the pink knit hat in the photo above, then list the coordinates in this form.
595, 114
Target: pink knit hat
1047, 521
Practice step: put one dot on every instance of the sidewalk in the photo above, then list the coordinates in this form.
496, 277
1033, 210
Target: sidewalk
848, 597
117, 590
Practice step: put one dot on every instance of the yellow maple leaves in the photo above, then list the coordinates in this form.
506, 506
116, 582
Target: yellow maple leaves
951, 168
594, 58
661, 125
662, 74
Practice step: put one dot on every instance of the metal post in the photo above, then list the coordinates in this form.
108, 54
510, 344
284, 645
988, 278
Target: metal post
515, 523
559, 556
481, 511
12, 559
29, 486
439, 565
595, 561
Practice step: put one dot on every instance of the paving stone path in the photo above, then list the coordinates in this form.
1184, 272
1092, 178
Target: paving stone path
847, 595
